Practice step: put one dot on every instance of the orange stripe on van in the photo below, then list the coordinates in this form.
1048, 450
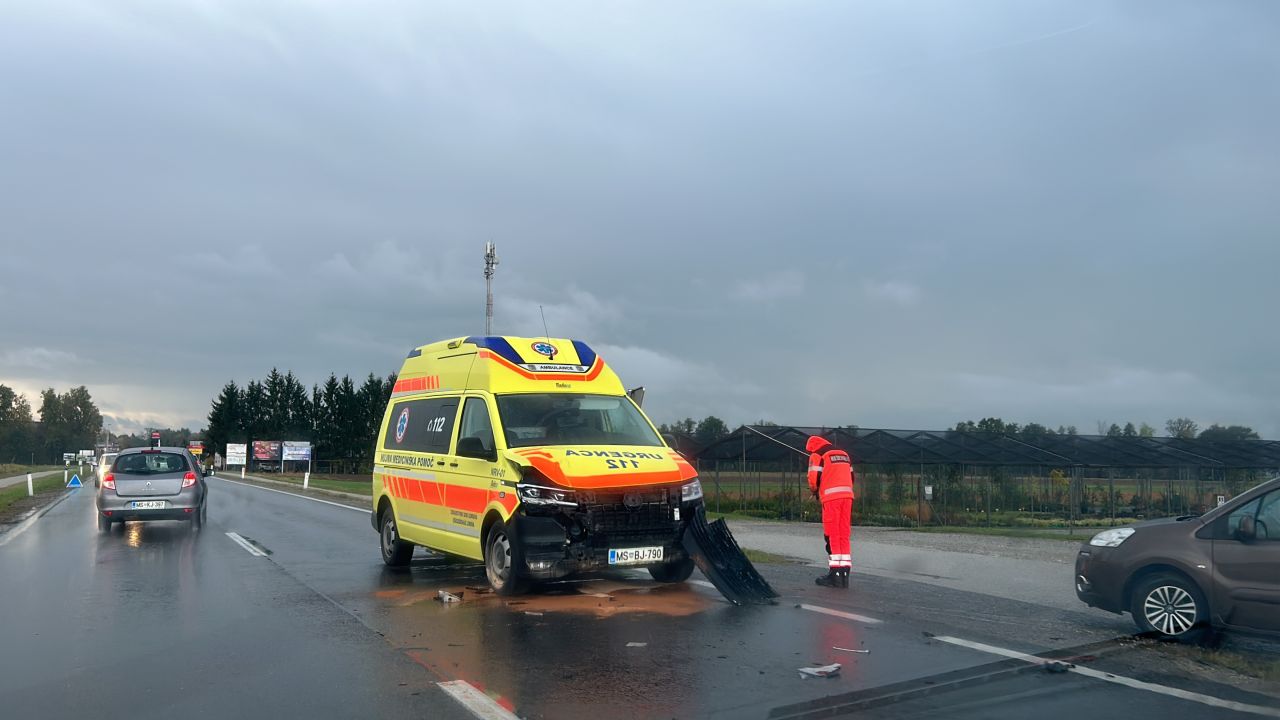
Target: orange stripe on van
596, 368
417, 384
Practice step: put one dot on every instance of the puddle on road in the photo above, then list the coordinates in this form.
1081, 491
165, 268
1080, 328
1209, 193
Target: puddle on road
603, 598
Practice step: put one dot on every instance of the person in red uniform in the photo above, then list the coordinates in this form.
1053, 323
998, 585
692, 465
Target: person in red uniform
831, 481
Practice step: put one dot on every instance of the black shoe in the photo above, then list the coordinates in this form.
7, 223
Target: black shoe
844, 578
831, 580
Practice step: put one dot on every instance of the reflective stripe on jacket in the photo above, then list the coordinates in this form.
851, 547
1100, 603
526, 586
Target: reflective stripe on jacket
831, 474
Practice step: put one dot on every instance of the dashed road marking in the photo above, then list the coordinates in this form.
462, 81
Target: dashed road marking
248, 546
1118, 679
285, 492
480, 705
841, 614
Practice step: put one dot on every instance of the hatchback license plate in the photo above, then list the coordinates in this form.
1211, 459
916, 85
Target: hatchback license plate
148, 505
635, 556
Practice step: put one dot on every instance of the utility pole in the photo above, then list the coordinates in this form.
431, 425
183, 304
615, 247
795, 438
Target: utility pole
490, 263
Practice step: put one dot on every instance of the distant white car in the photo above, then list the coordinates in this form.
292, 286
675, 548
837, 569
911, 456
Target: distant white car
104, 466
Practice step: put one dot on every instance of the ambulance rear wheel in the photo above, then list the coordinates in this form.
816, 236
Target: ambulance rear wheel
395, 552
672, 572
503, 561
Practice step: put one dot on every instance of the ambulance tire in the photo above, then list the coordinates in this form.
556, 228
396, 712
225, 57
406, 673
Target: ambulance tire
672, 572
503, 561
395, 552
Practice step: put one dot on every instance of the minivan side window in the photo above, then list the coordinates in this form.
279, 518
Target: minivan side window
1249, 509
475, 434
421, 425
1268, 523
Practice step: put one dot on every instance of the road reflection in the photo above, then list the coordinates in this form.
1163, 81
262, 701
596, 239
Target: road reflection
577, 648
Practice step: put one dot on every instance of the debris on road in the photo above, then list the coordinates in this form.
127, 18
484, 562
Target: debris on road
479, 589
1057, 667
823, 671
534, 614
718, 556
447, 597
861, 652
637, 644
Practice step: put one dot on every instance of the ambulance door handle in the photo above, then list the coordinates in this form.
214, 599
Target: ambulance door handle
453, 464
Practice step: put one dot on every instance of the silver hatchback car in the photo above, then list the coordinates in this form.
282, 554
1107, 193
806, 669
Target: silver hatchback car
164, 483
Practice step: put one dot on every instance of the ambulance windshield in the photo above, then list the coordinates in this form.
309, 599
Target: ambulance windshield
570, 419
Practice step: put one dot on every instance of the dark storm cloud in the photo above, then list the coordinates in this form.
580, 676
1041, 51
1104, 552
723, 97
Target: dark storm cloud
879, 213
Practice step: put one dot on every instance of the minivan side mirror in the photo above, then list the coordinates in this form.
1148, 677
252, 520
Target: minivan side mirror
1247, 530
473, 447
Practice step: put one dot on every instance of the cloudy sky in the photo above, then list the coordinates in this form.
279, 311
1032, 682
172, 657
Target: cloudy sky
894, 214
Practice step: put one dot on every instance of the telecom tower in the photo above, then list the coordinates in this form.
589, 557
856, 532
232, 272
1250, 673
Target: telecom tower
490, 262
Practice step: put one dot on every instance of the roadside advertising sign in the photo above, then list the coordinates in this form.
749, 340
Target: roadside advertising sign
68, 457
86, 453
195, 447
266, 449
296, 450
237, 454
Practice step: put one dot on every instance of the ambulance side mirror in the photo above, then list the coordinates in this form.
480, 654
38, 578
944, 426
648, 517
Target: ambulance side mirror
473, 447
637, 395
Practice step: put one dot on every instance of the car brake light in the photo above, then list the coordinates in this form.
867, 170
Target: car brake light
109, 482
188, 480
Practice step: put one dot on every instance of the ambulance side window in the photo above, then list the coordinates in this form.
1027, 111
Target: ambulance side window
475, 433
421, 425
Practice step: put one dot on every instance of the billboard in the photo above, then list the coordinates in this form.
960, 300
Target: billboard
237, 454
195, 447
266, 449
297, 450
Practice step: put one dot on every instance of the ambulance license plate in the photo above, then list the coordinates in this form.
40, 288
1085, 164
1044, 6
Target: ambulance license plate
635, 556
147, 505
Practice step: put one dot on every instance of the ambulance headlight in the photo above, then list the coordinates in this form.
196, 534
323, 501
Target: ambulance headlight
545, 495
691, 491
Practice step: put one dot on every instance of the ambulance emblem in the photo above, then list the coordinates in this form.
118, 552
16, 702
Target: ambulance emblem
545, 348
402, 425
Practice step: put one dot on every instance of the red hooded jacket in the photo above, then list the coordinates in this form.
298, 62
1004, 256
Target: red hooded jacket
830, 470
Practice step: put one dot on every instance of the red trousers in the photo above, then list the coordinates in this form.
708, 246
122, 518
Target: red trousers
836, 517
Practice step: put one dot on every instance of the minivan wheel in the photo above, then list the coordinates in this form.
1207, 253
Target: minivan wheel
676, 571
395, 552
503, 560
1170, 606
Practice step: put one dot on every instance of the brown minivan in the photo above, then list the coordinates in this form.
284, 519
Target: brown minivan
1177, 576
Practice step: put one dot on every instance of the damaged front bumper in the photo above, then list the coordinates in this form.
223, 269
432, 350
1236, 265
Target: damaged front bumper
562, 540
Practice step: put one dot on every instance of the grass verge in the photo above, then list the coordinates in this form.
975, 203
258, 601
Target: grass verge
10, 470
760, 556
14, 500
1080, 535
318, 482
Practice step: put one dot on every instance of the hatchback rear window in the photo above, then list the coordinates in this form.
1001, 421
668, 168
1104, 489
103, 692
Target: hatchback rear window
150, 463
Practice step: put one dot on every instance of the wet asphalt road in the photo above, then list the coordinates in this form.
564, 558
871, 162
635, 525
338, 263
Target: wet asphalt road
158, 621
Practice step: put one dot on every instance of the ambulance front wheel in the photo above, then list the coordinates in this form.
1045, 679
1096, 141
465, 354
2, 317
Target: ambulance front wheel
672, 572
395, 552
503, 559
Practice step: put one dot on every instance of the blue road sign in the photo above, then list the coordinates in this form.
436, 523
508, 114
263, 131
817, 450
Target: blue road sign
75, 481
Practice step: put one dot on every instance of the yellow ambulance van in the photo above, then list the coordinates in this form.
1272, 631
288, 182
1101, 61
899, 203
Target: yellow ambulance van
527, 454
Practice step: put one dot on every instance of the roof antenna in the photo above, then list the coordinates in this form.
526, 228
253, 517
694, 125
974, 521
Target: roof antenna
546, 334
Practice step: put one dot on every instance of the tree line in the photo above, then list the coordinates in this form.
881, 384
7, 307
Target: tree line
340, 419
1183, 428
69, 422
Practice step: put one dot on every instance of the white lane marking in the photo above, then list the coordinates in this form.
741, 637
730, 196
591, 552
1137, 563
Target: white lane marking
283, 492
248, 546
480, 705
841, 614
1118, 679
